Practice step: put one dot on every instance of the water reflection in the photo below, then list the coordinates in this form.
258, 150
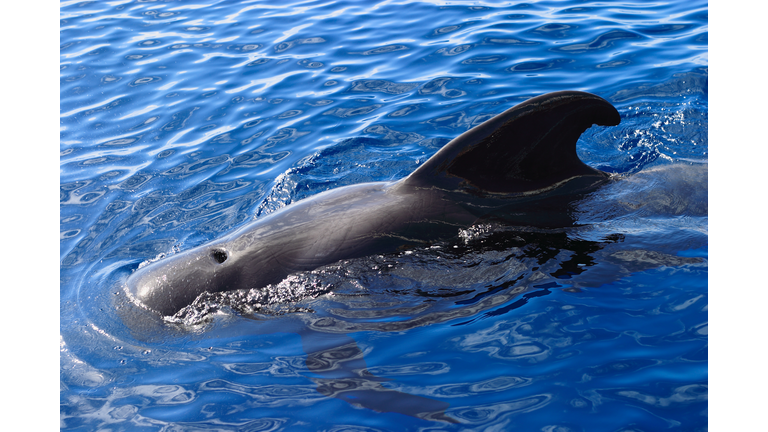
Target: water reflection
605, 40
209, 153
381, 86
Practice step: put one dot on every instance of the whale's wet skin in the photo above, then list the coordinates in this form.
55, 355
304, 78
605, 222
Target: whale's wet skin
509, 165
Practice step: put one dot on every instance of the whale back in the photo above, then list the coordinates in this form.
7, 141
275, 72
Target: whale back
527, 148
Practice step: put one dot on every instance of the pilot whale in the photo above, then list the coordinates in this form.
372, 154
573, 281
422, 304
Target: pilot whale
520, 160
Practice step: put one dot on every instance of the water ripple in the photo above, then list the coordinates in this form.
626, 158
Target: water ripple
179, 122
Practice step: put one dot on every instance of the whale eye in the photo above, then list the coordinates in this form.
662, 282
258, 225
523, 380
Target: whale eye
220, 255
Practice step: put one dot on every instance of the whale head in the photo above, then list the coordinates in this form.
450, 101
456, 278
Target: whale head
168, 285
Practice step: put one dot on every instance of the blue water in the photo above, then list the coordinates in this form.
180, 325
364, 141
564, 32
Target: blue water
181, 121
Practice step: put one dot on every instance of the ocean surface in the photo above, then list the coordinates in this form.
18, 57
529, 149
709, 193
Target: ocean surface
181, 121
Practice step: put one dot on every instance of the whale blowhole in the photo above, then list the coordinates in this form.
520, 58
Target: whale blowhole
220, 255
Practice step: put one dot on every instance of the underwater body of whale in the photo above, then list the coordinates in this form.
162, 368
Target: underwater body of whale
518, 161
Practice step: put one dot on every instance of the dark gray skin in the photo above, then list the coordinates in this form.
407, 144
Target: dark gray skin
509, 167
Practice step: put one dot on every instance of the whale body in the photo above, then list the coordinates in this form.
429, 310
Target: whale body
520, 165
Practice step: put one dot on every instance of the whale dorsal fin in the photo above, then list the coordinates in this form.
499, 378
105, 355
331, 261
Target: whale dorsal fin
528, 147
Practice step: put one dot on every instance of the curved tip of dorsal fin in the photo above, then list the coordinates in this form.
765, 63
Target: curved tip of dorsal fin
528, 147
